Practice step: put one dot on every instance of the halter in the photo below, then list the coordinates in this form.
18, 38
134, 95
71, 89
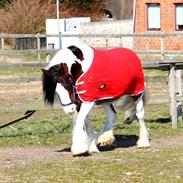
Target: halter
74, 95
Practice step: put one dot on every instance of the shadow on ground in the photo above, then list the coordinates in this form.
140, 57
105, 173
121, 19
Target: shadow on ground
159, 120
121, 141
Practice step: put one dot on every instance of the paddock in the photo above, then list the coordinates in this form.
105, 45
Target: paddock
37, 149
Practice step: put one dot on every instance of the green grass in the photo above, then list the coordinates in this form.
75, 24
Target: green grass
36, 71
40, 132
34, 57
154, 73
19, 72
50, 130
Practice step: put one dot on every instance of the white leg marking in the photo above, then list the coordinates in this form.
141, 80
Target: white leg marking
143, 133
92, 136
105, 136
80, 138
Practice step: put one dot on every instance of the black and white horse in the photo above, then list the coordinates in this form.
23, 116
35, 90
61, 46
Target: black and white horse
82, 77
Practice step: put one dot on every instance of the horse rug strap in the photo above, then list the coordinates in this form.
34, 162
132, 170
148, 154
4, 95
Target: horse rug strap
113, 73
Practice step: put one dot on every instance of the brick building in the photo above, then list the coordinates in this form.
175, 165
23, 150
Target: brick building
151, 16
158, 16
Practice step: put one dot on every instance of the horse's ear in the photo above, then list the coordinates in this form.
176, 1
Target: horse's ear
76, 70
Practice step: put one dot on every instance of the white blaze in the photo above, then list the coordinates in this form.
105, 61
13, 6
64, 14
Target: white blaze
65, 99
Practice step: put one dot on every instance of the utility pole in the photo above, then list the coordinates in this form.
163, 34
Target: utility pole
58, 24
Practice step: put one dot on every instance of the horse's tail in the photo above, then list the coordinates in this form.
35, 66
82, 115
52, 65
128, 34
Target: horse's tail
49, 83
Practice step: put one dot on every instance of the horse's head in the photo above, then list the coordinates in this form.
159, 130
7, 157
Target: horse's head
61, 79
58, 79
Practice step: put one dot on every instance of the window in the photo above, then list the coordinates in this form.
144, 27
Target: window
179, 16
153, 16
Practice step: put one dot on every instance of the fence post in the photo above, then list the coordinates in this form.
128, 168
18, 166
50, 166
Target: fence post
106, 42
172, 93
162, 47
2, 46
179, 94
38, 48
121, 43
2, 43
48, 57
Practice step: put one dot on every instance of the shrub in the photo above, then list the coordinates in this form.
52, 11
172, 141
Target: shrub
25, 16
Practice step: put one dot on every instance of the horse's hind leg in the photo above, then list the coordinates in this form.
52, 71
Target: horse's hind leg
105, 136
130, 116
143, 133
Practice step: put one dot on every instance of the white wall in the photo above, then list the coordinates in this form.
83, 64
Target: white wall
108, 27
69, 26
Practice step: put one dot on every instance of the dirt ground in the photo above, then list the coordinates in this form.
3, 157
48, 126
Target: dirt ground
17, 156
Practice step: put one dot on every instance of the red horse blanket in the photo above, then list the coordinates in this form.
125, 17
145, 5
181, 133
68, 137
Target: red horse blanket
113, 73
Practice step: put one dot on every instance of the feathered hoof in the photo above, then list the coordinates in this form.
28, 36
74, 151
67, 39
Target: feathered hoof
106, 143
106, 139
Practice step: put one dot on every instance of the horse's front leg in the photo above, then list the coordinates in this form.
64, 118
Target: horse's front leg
92, 136
143, 133
80, 139
105, 136
90, 133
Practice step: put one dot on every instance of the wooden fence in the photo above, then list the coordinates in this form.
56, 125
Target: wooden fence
167, 62
162, 36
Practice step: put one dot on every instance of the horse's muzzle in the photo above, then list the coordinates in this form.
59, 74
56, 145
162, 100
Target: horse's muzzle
69, 109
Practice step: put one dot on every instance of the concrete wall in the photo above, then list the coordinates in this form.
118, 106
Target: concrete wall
108, 27
120, 9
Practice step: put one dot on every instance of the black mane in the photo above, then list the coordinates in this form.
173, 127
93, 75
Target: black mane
49, 83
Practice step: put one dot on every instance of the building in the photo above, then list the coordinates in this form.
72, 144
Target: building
151, 16
158, 16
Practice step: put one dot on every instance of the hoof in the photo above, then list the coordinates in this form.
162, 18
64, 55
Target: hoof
93, 148
106, 143
106, 139
82, 154
143, 144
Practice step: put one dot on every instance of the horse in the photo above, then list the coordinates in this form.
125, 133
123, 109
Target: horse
83, 77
